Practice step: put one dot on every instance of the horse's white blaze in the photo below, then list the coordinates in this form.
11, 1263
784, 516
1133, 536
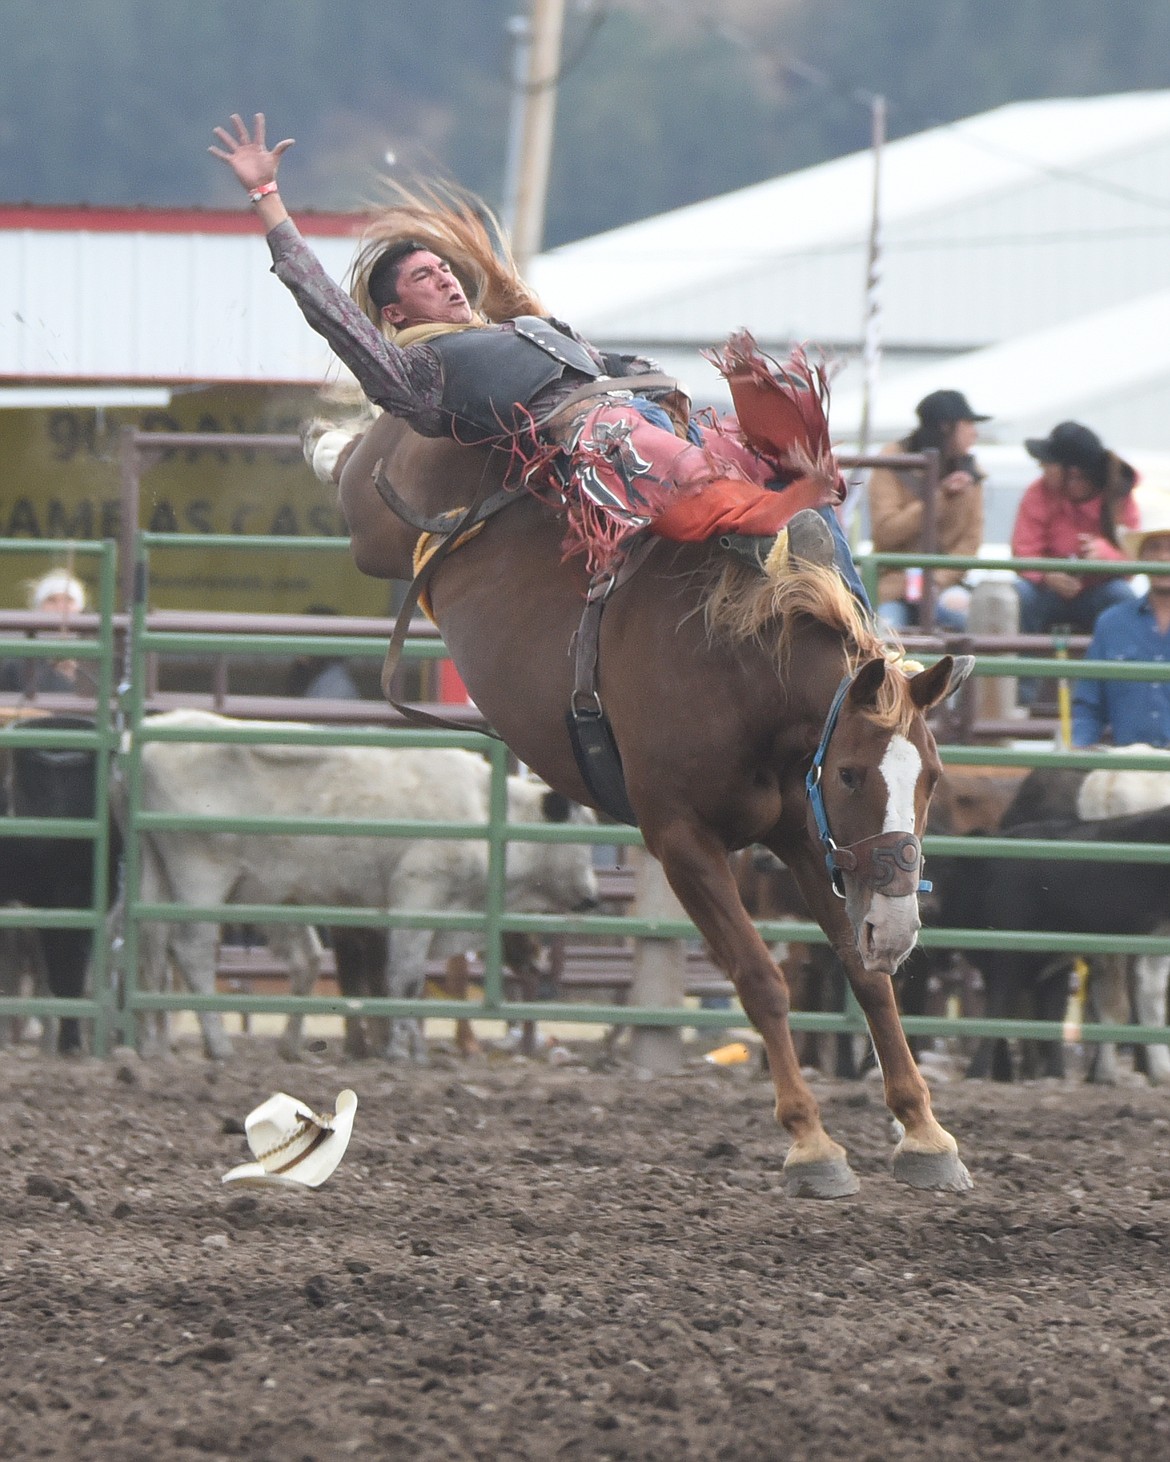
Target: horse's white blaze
891, 924
900, 768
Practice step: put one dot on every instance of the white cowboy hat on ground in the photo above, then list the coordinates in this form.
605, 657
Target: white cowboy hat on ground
294, 1147
1155, 520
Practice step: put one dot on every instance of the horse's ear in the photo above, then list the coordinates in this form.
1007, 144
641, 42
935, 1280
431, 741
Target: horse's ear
929, 687
867, 682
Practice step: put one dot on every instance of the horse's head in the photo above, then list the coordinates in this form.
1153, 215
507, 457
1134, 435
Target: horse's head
869, 789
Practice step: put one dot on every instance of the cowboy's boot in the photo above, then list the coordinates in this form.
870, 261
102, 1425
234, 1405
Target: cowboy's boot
805, 540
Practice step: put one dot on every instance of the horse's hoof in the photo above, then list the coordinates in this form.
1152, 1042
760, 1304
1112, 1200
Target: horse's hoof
825, 1178
940, 1171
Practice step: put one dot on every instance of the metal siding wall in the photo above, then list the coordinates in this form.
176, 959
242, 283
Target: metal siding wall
152, 306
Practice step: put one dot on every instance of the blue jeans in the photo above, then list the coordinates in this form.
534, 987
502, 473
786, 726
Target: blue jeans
1041, 608
899, 615
844, 560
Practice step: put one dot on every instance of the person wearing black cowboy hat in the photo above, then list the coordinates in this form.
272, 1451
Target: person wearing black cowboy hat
1075, 509
897, 510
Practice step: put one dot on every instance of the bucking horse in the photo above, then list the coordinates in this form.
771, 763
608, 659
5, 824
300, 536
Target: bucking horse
744, 709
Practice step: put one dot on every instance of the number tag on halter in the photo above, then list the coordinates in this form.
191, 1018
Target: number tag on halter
889, 863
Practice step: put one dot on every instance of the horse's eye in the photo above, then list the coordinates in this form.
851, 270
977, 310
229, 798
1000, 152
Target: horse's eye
850, 779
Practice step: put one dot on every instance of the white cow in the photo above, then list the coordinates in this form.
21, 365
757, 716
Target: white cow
346, 783
1110, 792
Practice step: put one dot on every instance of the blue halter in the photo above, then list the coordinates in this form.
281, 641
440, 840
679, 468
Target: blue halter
887, 861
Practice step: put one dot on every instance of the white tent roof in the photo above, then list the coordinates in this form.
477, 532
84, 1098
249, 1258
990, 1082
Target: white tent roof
961, 205
1100, 367
1007, 227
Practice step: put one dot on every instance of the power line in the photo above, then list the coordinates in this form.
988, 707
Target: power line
569, 64
1054, 170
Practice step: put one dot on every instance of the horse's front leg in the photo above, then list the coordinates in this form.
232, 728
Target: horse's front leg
927, 1156
696, 866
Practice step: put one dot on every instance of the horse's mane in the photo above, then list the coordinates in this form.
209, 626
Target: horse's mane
460, 228
741, 606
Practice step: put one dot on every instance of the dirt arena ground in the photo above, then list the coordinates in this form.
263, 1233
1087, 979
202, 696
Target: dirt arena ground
519, 1261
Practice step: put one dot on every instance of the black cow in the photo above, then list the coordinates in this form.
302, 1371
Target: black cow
55, 873
1045, 794
1055, 895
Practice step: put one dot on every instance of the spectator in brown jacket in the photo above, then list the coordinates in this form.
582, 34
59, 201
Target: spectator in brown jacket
897, 511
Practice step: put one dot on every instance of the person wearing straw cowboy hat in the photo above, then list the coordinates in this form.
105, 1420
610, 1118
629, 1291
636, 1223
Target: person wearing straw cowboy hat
1074, 509
1129, 711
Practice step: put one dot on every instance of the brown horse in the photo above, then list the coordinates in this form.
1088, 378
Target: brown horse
717, 683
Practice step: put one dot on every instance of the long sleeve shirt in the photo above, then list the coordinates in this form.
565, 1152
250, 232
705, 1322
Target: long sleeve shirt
407, 383
1050, 525
1133, 710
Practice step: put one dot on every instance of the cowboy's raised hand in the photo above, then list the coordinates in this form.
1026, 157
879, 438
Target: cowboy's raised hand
248, 154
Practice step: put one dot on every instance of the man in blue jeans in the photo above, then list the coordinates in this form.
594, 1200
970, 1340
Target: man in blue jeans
1129, 711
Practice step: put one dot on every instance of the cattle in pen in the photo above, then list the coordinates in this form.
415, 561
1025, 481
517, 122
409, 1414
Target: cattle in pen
346, 783
1091, 897
1053, 794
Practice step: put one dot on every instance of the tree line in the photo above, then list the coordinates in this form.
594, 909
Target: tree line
112, 101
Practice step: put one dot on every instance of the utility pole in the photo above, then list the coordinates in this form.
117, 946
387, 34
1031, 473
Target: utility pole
520, 30
871, 333
871, 338
531, 169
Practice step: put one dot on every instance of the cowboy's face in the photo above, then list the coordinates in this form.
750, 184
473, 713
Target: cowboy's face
428, 294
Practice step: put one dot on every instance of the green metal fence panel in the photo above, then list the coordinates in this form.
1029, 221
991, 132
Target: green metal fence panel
493, 921
100, 1006
495, 832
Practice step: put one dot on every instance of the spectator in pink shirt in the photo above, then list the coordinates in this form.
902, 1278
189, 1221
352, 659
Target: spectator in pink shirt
1075, 509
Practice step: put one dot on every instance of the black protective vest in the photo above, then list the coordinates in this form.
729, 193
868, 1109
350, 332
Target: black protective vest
490, 373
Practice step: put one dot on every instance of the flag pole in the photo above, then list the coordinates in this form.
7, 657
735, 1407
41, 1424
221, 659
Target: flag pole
871, 338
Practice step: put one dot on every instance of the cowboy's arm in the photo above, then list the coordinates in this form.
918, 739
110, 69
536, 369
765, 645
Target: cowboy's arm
407, 384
